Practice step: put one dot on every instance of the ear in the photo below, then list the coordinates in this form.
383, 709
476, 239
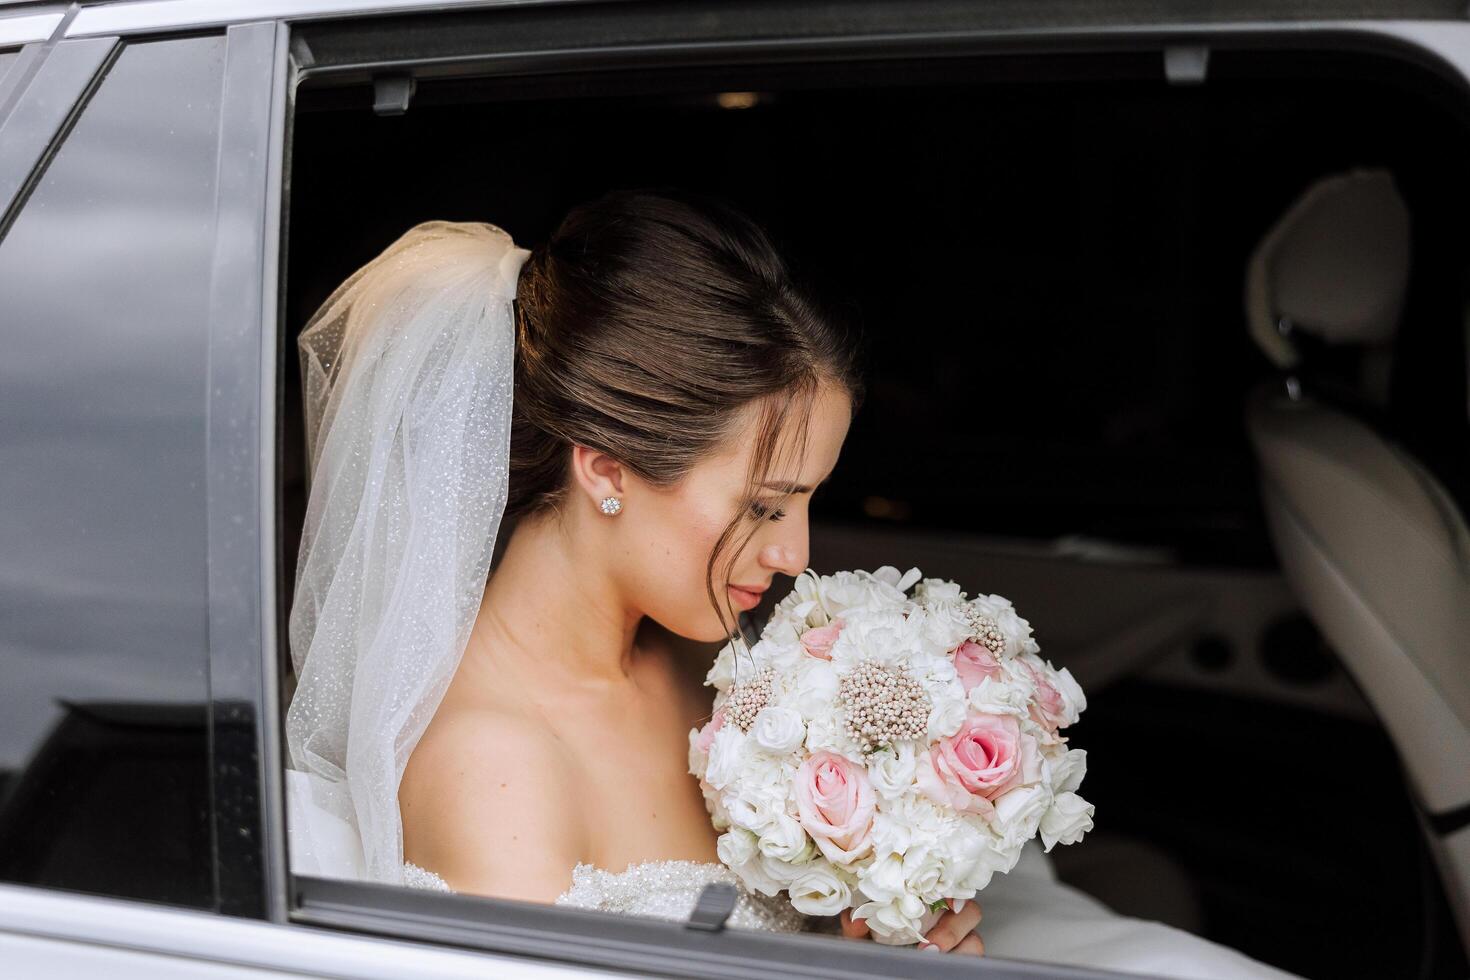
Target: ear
597, 473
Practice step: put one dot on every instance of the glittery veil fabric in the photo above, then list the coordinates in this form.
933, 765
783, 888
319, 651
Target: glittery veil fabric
407, 370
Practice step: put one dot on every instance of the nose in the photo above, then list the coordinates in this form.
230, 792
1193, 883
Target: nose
787, 557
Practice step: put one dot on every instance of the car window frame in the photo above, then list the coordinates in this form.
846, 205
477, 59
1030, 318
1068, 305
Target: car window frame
244, 370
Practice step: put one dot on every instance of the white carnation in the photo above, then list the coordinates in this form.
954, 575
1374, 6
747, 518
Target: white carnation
816, 688
728, 754
722, 674
883, 880
938, 590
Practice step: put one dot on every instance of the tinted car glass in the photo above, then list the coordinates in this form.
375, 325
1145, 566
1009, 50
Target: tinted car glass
104, 280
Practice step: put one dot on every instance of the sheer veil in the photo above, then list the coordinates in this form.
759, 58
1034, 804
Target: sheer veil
407, 373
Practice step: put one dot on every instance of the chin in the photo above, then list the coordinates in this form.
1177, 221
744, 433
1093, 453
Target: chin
703, 627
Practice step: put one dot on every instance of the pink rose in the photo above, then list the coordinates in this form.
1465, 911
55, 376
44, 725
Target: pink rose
818, 641
1048, 708
986, 757
836, 803
973, 662
706, 736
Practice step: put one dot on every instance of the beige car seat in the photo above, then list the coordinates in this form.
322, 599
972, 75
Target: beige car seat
1374, 547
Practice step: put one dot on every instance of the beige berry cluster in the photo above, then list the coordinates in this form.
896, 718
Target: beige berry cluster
746, 700
986, 631
882, 704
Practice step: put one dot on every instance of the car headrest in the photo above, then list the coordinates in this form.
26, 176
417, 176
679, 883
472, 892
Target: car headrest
1336, 266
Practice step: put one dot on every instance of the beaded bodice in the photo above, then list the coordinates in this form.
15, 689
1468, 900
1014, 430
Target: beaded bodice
659, 889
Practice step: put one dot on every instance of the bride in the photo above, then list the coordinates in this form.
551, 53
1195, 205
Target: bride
649, 401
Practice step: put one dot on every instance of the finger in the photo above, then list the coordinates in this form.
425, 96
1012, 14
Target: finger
971, 945
853, 928
953, 926
960, 904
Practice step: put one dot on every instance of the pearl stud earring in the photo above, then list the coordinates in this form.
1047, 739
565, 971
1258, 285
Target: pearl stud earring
611, 505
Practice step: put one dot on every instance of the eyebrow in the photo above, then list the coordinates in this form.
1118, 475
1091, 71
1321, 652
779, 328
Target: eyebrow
794, 487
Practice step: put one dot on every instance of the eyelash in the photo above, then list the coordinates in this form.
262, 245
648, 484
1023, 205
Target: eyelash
760, 510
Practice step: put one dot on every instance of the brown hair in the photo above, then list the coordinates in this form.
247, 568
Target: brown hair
645, 323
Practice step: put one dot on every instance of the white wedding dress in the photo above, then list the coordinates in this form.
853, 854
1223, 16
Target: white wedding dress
1029, 914
656, 889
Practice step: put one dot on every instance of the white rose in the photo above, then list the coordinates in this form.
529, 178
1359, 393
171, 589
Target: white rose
818, 891
783, 838
781, 870
754, 875
1071, 692
900, 922
997, 697
891, 770
1068, 770
735, 847
755, 815
946, 717
1069, 817
1018, 812
778, 730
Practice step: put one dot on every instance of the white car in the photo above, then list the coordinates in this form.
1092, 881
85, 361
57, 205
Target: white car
1195, 273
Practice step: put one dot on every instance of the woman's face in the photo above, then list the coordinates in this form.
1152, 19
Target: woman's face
672, 531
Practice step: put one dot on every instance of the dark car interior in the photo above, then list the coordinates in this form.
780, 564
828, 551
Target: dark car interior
1049, 256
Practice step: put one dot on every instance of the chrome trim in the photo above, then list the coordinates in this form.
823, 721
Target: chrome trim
154, 15
220, 939
31, 27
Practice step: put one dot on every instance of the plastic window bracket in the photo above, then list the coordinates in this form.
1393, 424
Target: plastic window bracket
713, 909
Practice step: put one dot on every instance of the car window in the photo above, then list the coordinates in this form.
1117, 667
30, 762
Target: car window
104, 280
7, 58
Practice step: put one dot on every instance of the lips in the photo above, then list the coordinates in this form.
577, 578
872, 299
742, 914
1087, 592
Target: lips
747, 597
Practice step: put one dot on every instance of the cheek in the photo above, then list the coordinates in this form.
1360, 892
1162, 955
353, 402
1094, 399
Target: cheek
672, 551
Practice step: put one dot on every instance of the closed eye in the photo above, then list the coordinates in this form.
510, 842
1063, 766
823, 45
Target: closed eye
761, 510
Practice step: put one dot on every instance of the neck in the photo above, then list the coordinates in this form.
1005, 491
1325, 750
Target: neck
552, 613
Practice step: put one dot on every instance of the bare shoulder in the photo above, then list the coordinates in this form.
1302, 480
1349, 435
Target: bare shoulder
488, 802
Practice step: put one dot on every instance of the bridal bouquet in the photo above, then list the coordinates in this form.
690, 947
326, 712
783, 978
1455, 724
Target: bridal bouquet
888, 752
